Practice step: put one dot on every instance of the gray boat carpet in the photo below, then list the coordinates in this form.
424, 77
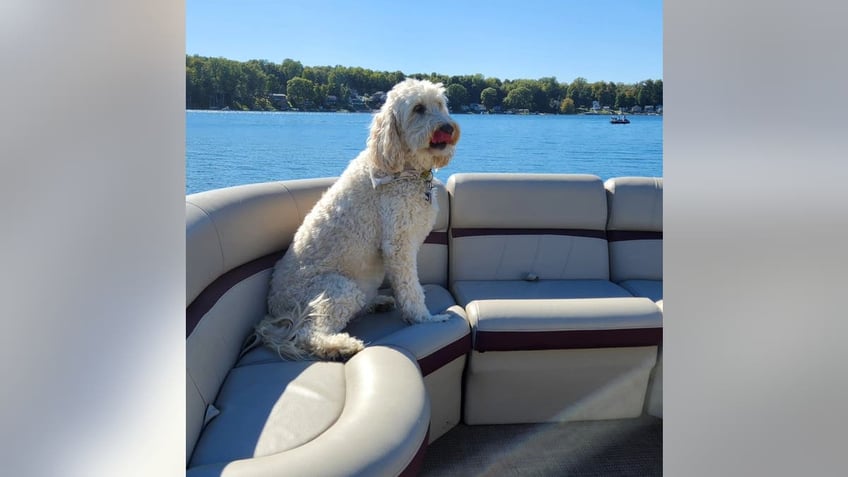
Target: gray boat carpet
625, 447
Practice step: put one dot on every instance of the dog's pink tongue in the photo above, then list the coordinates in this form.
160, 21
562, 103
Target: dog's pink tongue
441, 136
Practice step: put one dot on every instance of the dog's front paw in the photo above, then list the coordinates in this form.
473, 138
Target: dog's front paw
439, 317
428, 318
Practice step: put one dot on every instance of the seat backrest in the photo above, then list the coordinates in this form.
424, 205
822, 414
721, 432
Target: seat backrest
634, 227
433, 254
506, 226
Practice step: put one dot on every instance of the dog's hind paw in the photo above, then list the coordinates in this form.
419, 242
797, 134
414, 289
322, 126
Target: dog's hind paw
336, 346
381, 304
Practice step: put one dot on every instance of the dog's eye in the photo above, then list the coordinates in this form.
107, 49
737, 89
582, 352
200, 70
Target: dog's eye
419, 108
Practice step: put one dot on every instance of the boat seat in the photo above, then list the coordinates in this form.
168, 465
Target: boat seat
554, 338
250, 412
544, 326
634, 231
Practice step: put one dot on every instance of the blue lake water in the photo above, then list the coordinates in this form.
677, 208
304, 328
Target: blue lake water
232, 148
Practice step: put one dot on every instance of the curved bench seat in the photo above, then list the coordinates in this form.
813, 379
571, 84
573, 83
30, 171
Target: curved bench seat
554, 287
250, 413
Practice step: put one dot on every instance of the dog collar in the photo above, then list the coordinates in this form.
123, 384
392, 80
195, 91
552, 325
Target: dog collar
407, 175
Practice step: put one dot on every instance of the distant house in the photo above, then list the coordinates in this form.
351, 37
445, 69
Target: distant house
280, 101
596, 106
649, 109
376, 100
659, 109
331, 100
357, 102
477, 108
636, 109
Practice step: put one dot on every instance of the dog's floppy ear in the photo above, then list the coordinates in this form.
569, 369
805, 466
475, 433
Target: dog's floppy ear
386, 143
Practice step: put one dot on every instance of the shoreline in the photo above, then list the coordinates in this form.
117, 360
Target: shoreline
607, 113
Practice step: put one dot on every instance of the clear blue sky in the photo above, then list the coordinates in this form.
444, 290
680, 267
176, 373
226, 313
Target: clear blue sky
618, 41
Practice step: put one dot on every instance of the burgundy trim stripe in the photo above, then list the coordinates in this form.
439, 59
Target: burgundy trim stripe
477, 232
622, 235
212, 293
437, 238
417, 462
574, 339
445, 355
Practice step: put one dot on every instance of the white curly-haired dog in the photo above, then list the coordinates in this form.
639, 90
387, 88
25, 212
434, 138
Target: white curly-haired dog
368, 225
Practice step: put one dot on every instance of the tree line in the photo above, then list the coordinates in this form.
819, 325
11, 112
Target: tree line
261, 85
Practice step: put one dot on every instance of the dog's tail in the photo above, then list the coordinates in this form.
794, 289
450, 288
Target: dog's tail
280, 333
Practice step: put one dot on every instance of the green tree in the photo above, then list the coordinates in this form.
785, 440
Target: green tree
255, 85
625, 98
291, 69
457, 96
658, 91
607, 97
218, 82
580, 92
520, 97
548, 97
301, 93
567, 106
475, 85
489, 97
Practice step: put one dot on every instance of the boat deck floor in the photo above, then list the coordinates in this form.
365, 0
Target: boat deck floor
587, 448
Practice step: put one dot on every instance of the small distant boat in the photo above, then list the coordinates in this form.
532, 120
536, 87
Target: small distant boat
619, 120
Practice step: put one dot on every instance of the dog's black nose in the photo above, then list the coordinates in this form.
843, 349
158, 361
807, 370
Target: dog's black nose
447, 128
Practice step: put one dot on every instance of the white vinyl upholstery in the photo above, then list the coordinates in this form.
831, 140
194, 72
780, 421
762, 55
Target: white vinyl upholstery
225, 230
433, 254
440, 350
230, 227
233, 238
513, 387
554, 287
655, 388
368, 416
635, 230
530, 264
506, 226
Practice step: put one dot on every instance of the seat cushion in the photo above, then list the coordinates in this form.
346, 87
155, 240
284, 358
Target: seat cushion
368, 416
440, 349
513, 325
652, 289
270, 408
432, 344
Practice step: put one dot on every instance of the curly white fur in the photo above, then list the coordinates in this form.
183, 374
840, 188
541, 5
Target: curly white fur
368, 225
